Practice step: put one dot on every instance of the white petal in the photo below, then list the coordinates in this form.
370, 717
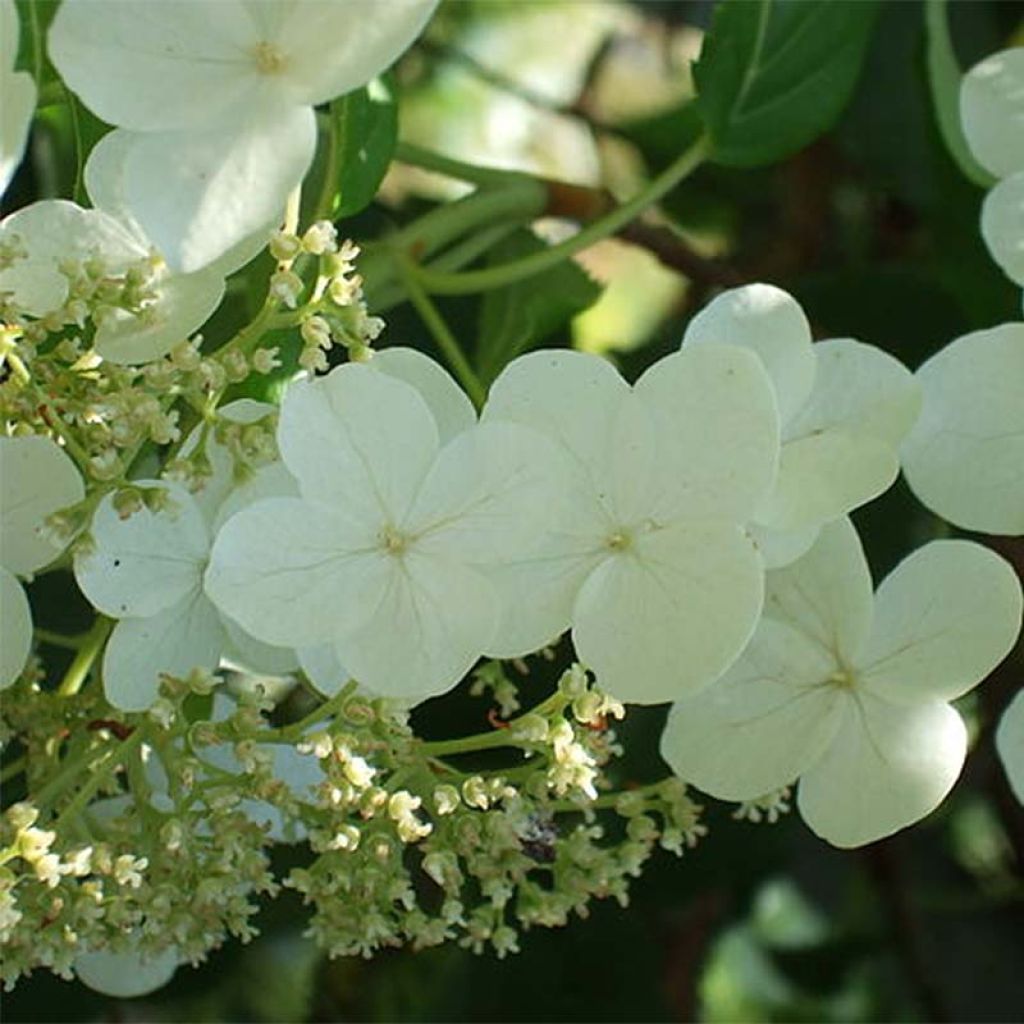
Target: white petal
572, 397
335, 48
125, 975
771, 323
992, 111
964, 458
143, 564
780, 548
1010, 744
860, 389
717, 427
944, 618
292, 572
451, 409
8, 34
253, 655
762, 724
670, 613
358, 438
36, 479
154, 66
1002, 225
888, 767
491, 496
826, 595
19, 106
426, 629
15, 628
826, 475
199, 194
323, 668
185, 636
270, 481
53, 230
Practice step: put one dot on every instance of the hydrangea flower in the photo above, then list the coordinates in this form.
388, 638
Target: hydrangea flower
37, 479
850, 693
146, 569
650, 565
1010, 744
18, 89
384, 554
214, 102
964, 458
844, 407
992, 114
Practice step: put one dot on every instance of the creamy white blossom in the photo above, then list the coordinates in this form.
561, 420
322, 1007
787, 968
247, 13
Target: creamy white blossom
992, 114
384, 554
849, 692
844, 407
1010, 744
37, 479
964, 458
18, 90
214, 102
650, 565
125, 975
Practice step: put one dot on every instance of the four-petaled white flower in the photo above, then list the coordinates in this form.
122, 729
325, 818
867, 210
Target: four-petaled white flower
146, 569
37, 479
849, 693
405, 502
1010, 744
964, 458
844, 407
18, 90
214, 102
992, 114
650, 566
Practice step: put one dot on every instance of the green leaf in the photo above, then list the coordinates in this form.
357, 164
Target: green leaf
775, 74
519, 317
366, 132
944, 76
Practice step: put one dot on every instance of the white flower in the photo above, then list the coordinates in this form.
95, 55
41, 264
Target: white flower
383, 556
992, 114
964, 458
147, 571
125, 975
1010, 744
215, 101
849, 692
19, 97
650, 566
37, 479
844, 408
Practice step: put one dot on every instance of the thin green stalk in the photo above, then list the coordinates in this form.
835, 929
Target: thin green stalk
70, 643
92, 644
606, 799
428, 160
98, 776
294, 731
498, 277
14, 769
447, 342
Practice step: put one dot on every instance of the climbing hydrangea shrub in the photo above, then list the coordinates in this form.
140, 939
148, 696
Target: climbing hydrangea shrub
291, 532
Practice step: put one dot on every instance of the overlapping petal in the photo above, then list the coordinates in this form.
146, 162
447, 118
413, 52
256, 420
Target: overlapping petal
888, 766
992, 111
1002, 225
964, 458
19, 97
667, 614
1010, 744
762, 724
944, 618
15, 628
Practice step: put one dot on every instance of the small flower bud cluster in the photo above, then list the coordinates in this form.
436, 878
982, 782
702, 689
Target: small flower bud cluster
768, 808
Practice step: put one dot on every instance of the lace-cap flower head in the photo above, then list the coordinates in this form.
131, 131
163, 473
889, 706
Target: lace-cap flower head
650, 566
849, 693
402, 510
214, 102
37, 479
844, 407
964, 458
19, 92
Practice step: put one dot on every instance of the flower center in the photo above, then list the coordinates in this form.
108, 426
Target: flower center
620, 540
392, 541
843, 679
269, 59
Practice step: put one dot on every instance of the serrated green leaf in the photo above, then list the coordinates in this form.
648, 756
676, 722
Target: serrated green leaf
518, 318
775, 74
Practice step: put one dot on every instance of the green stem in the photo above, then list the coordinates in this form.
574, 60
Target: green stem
428, 160
295, 731
324, 209
79, 669
14, 769
606, 799
70, 643
447, 342
518, 270
99, 773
